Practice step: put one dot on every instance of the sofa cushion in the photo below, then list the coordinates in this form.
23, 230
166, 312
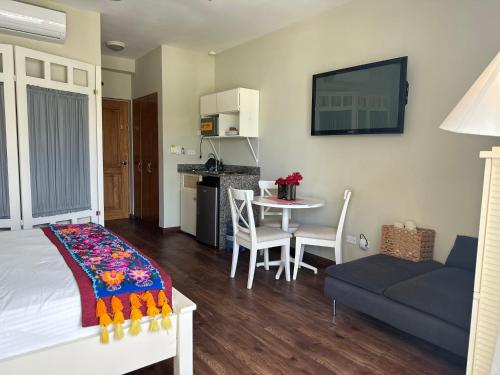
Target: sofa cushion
463, 253
445, 293
377, 272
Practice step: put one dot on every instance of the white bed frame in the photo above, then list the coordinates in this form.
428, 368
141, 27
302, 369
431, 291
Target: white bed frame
88, 356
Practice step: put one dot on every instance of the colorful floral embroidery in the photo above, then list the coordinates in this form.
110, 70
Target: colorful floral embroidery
111, 263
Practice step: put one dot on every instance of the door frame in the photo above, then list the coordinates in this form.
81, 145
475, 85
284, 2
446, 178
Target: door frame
130, 154
9, 91
73, 82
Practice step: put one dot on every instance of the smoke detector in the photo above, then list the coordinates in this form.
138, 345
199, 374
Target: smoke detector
115, 45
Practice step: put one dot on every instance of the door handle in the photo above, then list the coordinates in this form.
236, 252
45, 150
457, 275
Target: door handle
148, 167
139, 166
123, 162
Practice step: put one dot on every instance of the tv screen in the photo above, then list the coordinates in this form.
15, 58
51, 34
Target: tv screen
363, 99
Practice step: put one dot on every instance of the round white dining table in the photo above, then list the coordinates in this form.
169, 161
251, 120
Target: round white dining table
286, 207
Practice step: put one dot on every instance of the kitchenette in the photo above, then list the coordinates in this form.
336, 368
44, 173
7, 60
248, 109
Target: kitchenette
205, 209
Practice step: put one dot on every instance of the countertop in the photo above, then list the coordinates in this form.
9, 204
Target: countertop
229, 170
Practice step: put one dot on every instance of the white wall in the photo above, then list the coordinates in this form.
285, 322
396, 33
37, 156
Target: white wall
118, 63
186, 76
83, 35
116, 85
179, 77
426, 174
148, 80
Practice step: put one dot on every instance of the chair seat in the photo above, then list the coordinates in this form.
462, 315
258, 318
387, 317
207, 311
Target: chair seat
275, 222
264, 234
317, 232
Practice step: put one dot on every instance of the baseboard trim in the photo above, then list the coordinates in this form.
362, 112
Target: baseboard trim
170, 230
312, 259
317, 261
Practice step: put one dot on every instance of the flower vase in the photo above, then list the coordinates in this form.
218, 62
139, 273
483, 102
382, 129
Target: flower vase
291, 192
282, 191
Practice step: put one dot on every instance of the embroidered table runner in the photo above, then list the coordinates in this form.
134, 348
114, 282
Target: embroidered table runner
115, 280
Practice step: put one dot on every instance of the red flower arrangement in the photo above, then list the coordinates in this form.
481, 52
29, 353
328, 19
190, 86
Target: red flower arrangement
292, 179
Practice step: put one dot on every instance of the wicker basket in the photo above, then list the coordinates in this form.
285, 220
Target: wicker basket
414, 245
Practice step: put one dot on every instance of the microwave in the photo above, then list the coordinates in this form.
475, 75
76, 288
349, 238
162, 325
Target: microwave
209, 126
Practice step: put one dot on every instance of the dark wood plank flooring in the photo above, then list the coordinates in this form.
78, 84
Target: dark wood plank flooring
277, 327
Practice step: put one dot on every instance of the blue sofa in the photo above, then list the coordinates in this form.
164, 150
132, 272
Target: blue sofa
430, 300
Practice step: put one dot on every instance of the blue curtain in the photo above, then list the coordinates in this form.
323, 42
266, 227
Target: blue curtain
59, 151
4, 176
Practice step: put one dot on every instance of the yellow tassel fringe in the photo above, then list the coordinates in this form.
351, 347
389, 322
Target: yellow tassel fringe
104, 320
118, 332
165, 310
166, 323
135, 328
118, 318
153, 325
135, 314
104, 335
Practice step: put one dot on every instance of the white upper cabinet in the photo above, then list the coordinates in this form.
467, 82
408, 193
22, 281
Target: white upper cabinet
241, 109
228, 101
208, 105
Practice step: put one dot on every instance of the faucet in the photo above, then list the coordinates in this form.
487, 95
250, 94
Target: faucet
216, 161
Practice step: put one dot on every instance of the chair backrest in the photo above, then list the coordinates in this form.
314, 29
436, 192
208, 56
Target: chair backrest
268, 188
340, 227
241, 202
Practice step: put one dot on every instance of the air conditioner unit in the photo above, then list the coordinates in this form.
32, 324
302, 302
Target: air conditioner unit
32, 20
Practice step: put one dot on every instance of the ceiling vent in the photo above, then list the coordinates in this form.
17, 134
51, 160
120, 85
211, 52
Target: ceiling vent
32, 20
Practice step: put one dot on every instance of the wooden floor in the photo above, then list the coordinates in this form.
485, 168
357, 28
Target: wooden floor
277, 327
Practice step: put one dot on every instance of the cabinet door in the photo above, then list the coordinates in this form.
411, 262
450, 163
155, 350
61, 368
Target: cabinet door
188, 203
228, 101
208, 104
146, 159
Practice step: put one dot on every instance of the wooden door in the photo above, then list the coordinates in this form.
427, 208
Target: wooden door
115, 127
136, 134
146, 158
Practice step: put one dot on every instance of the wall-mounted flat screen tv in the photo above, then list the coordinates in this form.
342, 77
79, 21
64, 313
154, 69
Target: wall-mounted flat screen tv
363, 99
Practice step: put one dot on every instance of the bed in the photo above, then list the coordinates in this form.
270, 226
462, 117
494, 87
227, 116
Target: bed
40, 319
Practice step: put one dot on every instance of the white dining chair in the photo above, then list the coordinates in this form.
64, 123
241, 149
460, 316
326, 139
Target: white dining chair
270, 217
317, 235
254, 238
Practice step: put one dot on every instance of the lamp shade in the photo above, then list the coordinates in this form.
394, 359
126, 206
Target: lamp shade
478, 112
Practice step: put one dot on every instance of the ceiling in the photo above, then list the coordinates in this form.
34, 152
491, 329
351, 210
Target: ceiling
201, 25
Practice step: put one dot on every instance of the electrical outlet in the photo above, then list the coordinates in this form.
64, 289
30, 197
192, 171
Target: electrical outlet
351, 239
364, 244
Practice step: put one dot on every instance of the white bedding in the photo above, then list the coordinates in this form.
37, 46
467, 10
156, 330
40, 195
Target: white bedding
39, 298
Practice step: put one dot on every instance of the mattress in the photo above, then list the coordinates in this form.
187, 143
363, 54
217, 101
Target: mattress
39, 298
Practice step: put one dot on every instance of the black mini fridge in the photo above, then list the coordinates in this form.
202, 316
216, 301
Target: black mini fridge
207, 211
